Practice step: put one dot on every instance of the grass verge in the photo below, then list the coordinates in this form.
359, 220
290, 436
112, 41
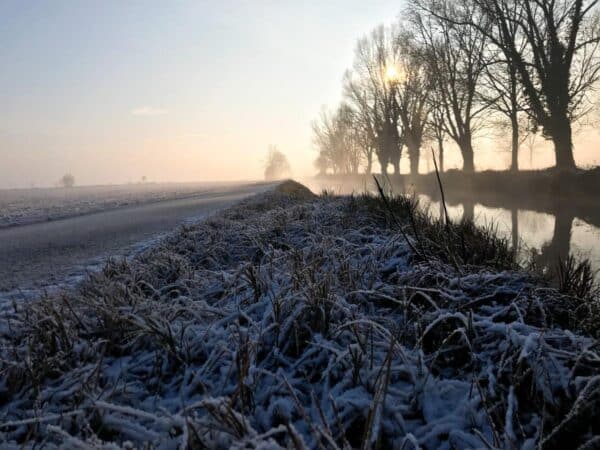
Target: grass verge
296, 321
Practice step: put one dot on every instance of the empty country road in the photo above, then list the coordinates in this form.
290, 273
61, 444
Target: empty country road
49, 254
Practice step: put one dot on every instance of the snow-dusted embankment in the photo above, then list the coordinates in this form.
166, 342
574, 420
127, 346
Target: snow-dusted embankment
294, 321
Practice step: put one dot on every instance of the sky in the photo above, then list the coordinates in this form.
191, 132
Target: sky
185, 90
172, 90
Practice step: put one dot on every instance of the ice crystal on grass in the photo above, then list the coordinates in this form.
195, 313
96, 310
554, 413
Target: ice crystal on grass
293, 321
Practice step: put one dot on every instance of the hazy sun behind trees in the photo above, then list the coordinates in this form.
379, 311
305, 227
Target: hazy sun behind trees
448, 71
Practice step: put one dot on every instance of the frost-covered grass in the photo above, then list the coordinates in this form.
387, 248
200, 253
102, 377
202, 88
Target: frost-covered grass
293, 321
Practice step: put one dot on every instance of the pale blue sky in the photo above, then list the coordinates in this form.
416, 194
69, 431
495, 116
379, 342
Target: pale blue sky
174, 90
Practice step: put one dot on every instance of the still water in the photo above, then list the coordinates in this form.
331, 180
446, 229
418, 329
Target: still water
546, 235
548, 228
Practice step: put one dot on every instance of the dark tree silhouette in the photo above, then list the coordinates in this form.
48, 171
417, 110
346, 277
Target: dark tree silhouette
449, 68
552, 45
455, 62
413, 85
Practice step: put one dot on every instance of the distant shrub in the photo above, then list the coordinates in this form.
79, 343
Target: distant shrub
67, 180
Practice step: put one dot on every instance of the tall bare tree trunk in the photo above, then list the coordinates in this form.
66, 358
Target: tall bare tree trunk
441, 153
563, 144
514, 163
395, 155
369, 163
383, 162
466, 148
413, 157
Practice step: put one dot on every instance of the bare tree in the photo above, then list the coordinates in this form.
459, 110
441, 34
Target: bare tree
276, 165
338, 141
364, 117
413, 86
325, 140
365, 142
501, 89
552, 45
371, 90
350, 138
455, 62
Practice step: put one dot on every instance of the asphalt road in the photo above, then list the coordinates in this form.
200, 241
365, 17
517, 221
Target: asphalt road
46, 255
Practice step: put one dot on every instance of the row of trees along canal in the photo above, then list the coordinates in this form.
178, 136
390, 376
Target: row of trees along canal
449, 68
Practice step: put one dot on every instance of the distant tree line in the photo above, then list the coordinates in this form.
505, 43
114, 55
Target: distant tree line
447, 69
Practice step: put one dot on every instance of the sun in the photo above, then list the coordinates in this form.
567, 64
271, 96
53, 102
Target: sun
392, 74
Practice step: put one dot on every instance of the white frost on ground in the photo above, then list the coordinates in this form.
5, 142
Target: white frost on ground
292, 324
26, 206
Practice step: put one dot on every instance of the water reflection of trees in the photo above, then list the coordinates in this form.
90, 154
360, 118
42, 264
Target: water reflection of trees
547, 255
560, 244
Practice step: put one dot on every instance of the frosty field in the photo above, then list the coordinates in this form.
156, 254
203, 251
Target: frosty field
25, 206
296, 321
